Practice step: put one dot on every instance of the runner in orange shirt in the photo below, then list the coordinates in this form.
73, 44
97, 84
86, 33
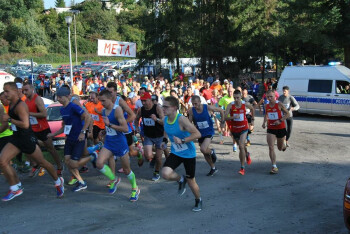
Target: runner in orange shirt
94, 107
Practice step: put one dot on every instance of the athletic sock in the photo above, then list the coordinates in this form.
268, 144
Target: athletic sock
242, 167
248, 138
19, 184
213, 168
132, 180
106, 170
14, 187
81, 181
181, 179
274, 165
156, 172
58, 182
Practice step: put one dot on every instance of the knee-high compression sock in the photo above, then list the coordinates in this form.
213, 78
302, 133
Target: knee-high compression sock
132, 179
107, 172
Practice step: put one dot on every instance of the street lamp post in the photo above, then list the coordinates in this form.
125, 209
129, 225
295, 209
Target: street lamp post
69, 22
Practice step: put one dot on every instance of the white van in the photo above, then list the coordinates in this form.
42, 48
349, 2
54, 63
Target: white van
5, 77
318, 89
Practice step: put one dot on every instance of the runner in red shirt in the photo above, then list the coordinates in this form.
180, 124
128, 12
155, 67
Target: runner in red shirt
276, 127
235, 115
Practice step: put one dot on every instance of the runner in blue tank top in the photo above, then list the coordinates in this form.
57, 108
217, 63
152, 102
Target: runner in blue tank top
118, 101
181, 134
115, 145
200, 116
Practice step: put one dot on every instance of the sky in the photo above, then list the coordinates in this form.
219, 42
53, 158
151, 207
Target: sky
51, 3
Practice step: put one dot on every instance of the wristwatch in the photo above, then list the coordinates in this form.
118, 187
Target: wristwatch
9, 120
183, 141
83, 131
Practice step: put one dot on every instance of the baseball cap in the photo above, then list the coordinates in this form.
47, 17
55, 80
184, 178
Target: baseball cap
190, 81
145, 96
131, 95
226, 80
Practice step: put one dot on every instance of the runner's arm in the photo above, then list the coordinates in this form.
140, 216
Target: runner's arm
125, 107
23, 114
41, 108
265, 119
227, 113
190, 115
285, 111
58, 132
217, 109
137, 119
252, 111
295, 104
186, 125
123, 125
4, 123
160, 114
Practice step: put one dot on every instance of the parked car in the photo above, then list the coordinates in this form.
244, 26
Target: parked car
129, 64
108, 71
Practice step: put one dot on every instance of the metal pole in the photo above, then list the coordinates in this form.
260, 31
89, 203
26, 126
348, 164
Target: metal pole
70, 58
75, 38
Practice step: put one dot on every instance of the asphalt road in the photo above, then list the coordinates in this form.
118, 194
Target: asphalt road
305, 197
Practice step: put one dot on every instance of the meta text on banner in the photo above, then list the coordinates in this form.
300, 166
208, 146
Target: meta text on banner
116, 48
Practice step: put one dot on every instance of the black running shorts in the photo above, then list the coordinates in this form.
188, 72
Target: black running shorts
174, 162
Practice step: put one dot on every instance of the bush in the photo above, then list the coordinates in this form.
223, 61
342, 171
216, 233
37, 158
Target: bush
4, 47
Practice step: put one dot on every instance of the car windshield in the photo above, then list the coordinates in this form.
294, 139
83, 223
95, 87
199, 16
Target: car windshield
53, 113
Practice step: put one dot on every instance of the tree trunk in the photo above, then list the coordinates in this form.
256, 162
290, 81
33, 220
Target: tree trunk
347, 56
263, 69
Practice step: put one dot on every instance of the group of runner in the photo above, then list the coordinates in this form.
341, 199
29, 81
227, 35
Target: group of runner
112, 121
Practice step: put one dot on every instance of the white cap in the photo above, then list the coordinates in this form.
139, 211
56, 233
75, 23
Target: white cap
190, 81
131, 95
226, 80
19, 85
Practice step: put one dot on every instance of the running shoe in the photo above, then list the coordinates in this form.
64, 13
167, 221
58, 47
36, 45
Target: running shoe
72, 181
242, 171
248, 143
212, 172
12, 194
235, 148
80, 187
42, 172
60, 188
152, 163
197, 206
134, 195
213, 156
156, 176
249, 160
114, 185
274, 170
25, 169
182, 186
34, 172
94, 157
84, 169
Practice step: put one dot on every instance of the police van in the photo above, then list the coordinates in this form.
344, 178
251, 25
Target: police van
318, 89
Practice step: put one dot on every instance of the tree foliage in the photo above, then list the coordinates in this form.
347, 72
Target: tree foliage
227, 35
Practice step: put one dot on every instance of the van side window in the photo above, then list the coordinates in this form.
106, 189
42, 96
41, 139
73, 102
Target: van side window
320, 86
343, 87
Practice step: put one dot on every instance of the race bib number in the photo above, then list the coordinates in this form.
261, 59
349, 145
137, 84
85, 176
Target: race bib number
149, 122
111, 131
272, 115
238, 117
202, 125
13, 127
180, 147
67, 129
33, 120
95, 117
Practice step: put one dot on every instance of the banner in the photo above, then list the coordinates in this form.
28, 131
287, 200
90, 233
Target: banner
116, 48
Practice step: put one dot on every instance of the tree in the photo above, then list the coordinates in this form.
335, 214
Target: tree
60, 3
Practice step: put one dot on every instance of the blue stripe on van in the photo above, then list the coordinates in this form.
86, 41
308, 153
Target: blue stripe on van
336, 101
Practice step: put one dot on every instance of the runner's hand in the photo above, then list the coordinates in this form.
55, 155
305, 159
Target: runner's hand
177, 140
5, 117
163, 145
106, 120
263, 126
154, 117
50, 135
81, 137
